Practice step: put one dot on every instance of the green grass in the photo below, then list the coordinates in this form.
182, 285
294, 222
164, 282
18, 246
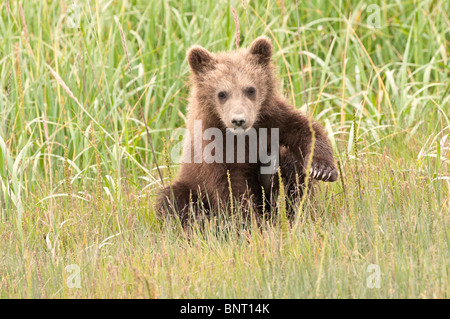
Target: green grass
78, 179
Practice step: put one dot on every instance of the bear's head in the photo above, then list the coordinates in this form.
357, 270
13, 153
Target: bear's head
233, 85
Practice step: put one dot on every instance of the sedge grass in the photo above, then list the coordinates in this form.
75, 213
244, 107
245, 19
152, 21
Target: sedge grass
78, 178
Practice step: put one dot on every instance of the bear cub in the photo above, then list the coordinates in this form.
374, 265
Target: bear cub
236, 110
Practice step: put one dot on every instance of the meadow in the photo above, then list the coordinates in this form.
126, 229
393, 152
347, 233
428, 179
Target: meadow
88, 89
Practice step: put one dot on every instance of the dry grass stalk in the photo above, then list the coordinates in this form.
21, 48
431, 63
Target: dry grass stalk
25, 29
305, 94
236, 22
67, 177
282, 208
63, 85
50, 170
231, 192
19, 79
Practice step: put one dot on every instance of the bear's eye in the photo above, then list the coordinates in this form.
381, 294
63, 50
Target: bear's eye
250, 91
222, 95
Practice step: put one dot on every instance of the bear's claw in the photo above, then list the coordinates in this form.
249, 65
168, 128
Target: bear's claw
323, 173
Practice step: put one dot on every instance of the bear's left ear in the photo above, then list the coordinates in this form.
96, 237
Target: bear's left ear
200, 59
262, 48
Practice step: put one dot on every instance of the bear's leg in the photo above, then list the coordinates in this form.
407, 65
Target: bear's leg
292, 174
178, 199
292, 177
245, 197
295, 133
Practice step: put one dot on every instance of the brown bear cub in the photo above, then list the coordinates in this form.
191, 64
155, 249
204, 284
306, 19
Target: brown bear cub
236, 110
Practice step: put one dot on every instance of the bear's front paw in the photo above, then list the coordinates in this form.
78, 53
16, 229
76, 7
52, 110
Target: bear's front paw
323, 172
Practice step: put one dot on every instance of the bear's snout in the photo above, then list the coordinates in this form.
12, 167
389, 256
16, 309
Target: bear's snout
238, 121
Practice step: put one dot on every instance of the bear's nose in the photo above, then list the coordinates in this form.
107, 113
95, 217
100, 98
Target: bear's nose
238, 121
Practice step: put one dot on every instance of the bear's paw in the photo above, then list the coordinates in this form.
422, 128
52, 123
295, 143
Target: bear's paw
323, 172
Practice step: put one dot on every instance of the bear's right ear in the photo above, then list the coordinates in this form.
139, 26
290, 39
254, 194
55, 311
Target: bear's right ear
200, 59
262, 49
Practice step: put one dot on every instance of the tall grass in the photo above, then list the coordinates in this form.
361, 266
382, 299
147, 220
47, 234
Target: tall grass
78, 177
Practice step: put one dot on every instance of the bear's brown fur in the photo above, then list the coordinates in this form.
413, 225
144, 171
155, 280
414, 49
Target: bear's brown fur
239, 90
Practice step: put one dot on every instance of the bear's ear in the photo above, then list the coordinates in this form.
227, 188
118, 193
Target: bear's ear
262, 49
200, 59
